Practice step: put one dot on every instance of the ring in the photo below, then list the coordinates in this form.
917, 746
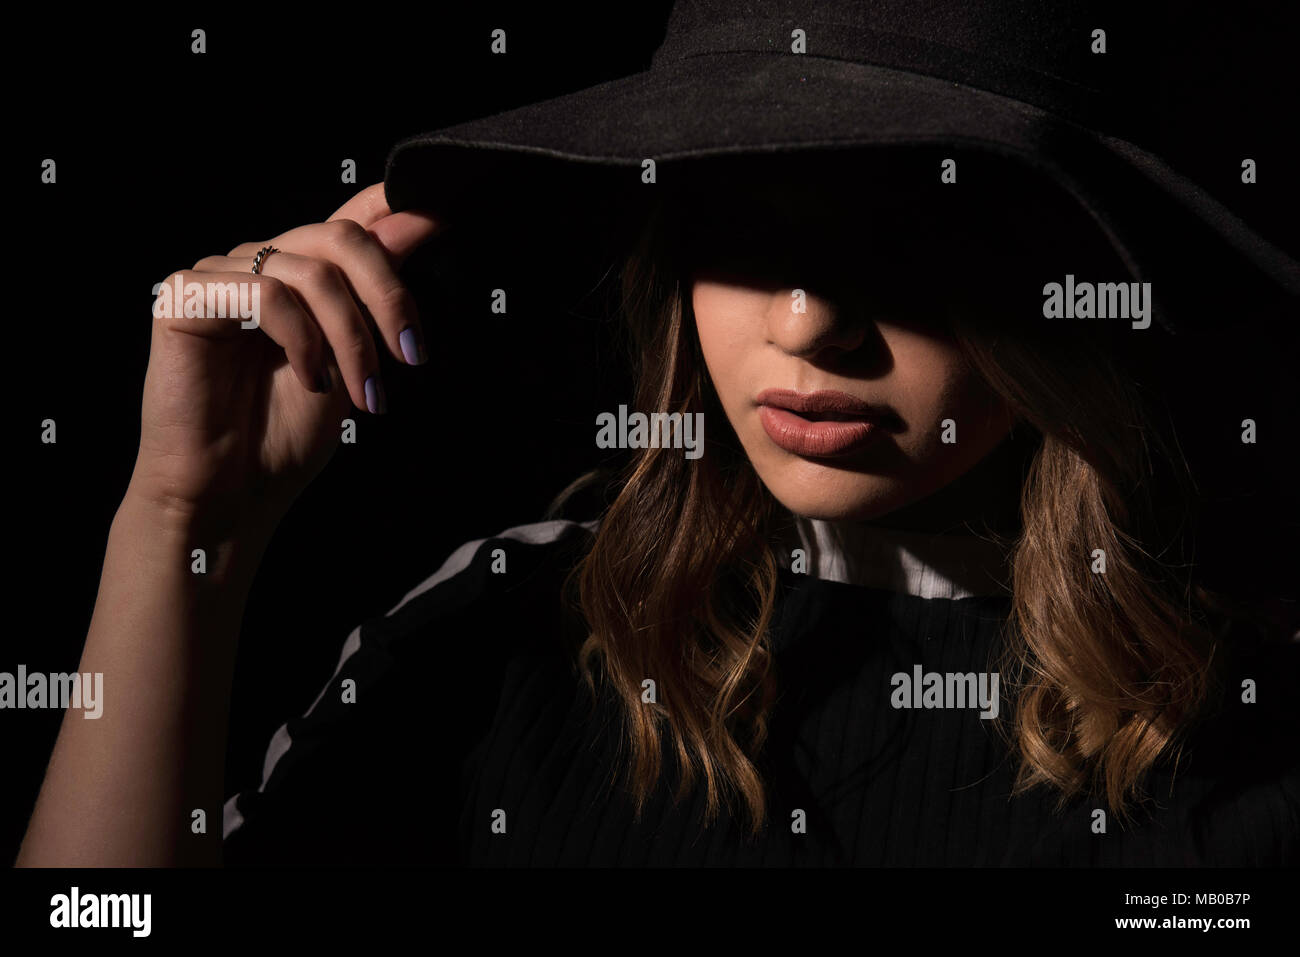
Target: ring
262, 254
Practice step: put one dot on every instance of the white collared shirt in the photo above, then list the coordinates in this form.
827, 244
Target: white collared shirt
925, 564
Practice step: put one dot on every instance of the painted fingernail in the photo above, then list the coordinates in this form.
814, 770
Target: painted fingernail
324, 381
375, 399
412, 346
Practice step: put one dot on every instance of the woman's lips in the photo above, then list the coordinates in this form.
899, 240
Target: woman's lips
817, 424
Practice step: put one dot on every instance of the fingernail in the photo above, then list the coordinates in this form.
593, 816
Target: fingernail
324, 381
375, 400
412, 346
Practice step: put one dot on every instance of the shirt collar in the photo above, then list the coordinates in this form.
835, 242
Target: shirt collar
925, 564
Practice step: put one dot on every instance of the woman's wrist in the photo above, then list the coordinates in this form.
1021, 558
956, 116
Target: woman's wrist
223, 547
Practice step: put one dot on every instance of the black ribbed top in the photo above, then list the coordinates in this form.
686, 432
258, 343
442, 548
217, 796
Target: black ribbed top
469, 716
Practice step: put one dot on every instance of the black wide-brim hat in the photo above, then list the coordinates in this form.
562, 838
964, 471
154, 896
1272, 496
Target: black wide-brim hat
1023, 81
1026, 84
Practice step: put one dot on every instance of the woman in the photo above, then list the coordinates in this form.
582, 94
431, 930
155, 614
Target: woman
927, 596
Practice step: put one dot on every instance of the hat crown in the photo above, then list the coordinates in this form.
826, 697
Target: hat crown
1043, 53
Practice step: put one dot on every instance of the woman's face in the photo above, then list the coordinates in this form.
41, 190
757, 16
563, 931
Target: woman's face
821, 324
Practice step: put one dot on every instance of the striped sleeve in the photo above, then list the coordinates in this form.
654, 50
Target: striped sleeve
369, 774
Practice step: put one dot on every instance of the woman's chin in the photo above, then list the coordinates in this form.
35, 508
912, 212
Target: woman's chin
859, 499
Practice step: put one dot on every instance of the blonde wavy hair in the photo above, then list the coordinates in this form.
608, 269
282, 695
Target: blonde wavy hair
1107, 671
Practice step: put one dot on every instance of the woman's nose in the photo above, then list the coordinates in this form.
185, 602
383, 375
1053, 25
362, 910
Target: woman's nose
806, 325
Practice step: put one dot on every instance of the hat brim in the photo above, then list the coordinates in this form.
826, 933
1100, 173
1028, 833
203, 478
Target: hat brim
585, 150
1161, 225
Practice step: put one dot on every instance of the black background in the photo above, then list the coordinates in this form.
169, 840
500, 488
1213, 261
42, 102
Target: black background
165, 157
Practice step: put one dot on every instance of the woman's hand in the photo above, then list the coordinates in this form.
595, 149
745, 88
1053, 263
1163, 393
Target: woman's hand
236, 421
231, 431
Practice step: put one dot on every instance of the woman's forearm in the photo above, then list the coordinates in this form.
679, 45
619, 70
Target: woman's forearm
122, 789
234, 422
